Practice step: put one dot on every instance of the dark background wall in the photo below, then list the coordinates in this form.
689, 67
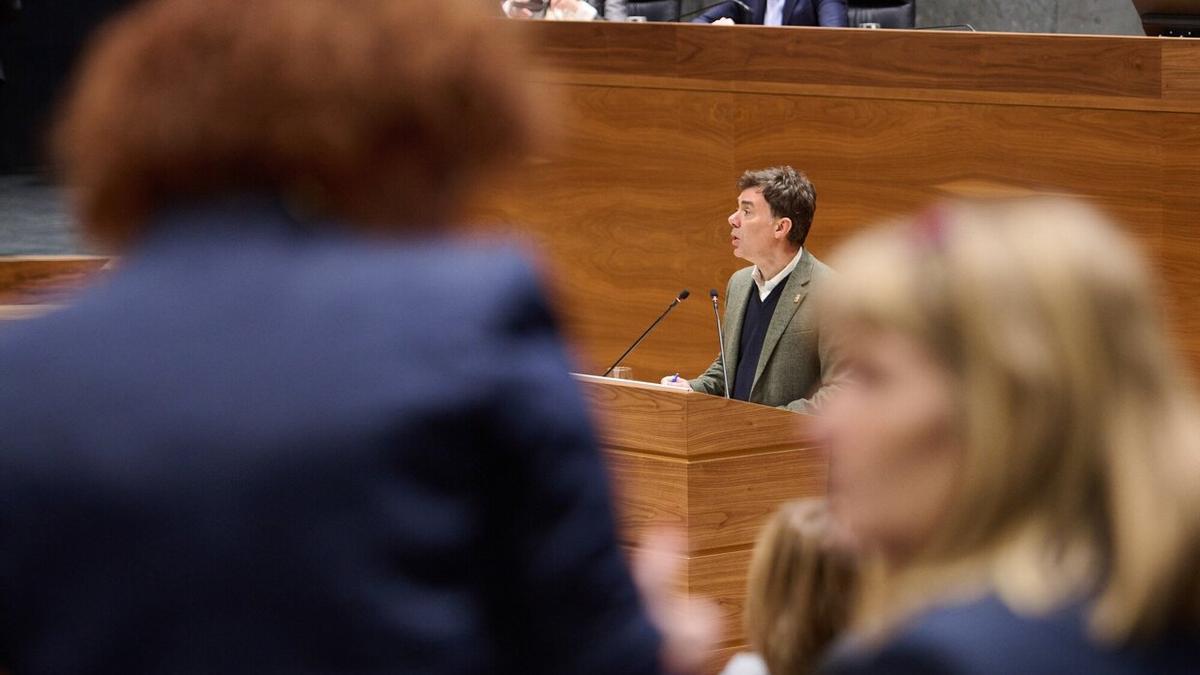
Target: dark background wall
38, 44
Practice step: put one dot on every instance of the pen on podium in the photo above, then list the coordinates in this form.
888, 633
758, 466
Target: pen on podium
675, 377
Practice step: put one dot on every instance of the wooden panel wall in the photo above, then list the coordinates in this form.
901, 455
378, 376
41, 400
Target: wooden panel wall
659, 120
25, 279
32, 285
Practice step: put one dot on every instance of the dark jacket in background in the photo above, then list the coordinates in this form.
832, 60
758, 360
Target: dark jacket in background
39, 46
831, 13
986, 638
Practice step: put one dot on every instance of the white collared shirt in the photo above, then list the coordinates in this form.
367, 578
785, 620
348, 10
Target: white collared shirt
765, 287
774, 15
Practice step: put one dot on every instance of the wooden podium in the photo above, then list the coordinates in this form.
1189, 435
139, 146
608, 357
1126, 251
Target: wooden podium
713, 468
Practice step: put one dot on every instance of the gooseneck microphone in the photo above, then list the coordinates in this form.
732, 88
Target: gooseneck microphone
712, 293
678, 299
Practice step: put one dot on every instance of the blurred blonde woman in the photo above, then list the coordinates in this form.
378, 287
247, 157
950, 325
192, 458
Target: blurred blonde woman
1020, 454
799, 594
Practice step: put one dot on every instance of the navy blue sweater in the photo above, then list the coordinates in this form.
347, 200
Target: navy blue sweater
754, 331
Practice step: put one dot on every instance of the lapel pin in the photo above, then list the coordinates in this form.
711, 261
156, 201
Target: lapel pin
796, 300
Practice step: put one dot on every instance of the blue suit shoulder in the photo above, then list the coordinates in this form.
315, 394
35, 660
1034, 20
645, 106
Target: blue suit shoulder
985, 636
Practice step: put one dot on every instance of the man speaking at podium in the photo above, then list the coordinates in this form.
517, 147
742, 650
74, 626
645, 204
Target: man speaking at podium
777, 355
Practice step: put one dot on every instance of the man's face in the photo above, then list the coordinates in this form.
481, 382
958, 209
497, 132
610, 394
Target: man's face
755, 232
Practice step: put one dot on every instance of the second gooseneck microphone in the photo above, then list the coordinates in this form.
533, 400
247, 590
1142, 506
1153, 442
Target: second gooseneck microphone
678, 299
712, 293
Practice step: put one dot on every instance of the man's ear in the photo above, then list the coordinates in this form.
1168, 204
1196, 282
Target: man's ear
783, 227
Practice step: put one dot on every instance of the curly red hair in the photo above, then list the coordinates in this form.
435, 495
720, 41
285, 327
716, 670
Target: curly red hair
370, 105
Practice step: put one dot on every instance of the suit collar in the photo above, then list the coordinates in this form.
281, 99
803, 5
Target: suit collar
794, 293
760, 11
766, 285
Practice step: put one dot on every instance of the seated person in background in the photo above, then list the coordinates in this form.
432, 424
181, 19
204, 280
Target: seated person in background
830, 13
566, 10
799, 593
301, 428
777, 355
1017, 454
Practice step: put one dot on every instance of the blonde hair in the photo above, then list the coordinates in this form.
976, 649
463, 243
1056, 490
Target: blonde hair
1080, 474
800, 588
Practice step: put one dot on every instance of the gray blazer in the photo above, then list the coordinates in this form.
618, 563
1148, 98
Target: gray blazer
799, 363
610, 10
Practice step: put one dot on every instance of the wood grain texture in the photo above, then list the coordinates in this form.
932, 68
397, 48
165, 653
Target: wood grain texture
659, 121
720, 657
711, 467
913, 60
650, 493
718, 504
897, 59
649, 420
1178, 259
37, 279
730, 498
1181, 71
721, 578
718, 493
656, 420
719, 427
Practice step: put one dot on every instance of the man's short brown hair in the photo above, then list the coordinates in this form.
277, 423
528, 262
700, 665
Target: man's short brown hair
187, 100
789, 193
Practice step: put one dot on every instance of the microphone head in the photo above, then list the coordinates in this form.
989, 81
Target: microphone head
683, 295
712, 293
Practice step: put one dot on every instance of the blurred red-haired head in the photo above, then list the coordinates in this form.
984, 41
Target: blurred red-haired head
382, 112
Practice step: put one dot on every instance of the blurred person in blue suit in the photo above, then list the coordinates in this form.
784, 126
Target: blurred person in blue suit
302, 428
1018, 455
830, 13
